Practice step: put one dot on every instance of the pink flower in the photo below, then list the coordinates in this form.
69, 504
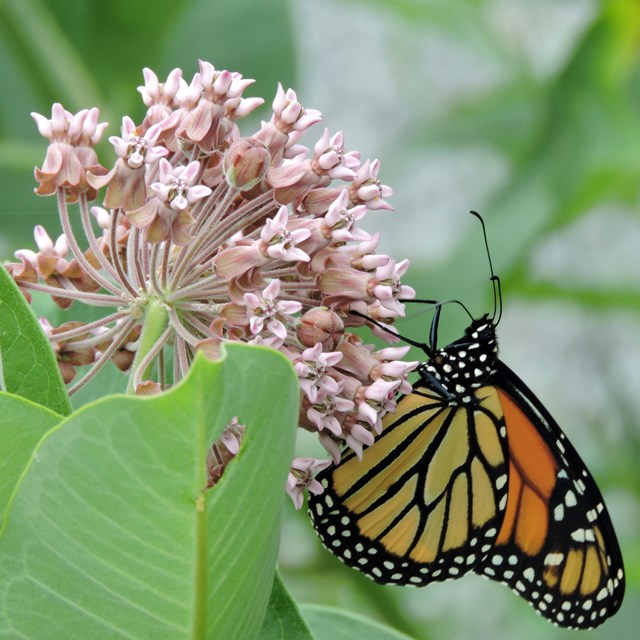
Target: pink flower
224, 450
176, 185
331, 158
322, 413
368, 190
301, 477
312, 367
388, 287
160, 97
266, 311
279, 242
70, 155
340, 221
127, 186
378, 400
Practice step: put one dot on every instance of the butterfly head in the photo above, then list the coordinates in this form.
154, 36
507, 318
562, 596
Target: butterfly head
463, 366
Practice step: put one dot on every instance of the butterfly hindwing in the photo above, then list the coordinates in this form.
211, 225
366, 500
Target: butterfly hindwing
426, 502
556, 547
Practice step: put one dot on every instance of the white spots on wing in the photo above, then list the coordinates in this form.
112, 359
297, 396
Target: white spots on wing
529, 574
558, 512
570, 499
578, 535
501, 481
553, 559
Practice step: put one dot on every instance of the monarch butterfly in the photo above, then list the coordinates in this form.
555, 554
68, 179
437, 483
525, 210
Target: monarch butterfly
471, 473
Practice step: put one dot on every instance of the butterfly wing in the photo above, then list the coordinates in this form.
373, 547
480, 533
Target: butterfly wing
556, 546
428, 498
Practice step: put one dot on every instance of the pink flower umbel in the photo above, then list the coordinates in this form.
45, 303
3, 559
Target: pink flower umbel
209, 234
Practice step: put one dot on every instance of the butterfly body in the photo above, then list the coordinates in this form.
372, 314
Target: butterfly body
472, 474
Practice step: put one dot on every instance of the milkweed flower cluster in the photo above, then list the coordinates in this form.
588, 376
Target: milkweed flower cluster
206, 234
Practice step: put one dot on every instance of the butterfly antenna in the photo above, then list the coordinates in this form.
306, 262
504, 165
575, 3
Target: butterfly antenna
436, 304
421, 345
435, 323
495, 280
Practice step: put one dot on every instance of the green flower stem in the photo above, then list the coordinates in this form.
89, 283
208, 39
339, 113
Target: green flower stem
156, 319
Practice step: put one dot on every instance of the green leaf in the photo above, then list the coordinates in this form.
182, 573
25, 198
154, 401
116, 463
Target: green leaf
110, 533
108, 381
329, 623
22, 425
283, 619
28, 366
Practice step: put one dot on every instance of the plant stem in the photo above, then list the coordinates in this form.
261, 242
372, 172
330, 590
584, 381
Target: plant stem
156, 319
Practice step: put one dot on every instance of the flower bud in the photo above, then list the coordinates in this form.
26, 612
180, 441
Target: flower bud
246, 163
320, 325
148, 388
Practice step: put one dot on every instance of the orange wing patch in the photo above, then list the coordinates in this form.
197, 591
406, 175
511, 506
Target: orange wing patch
532, 478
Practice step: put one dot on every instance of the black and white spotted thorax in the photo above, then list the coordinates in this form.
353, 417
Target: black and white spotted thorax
457, 370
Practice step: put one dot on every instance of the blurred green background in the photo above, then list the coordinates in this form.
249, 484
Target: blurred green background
527, 112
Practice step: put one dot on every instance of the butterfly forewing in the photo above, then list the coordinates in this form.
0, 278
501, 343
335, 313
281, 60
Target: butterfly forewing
426, 502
